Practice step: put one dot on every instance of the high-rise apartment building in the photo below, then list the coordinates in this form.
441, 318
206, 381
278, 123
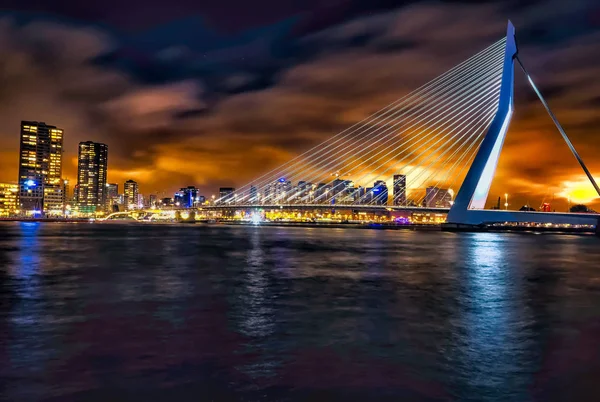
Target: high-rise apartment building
91, 176
131, 194
40, 165
8, 199
399, 189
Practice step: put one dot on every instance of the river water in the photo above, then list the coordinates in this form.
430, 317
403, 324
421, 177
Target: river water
110, 312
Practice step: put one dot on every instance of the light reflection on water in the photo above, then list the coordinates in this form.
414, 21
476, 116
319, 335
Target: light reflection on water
497, 321
111, 312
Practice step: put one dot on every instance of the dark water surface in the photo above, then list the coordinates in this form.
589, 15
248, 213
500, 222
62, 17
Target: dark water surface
93, 312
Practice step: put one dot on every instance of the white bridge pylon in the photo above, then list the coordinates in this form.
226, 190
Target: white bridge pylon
468, 208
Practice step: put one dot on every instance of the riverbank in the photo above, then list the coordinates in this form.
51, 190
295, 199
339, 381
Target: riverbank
331, 225
423, 227
62, 220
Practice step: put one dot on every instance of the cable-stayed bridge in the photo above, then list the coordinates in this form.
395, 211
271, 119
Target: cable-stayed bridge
435, 148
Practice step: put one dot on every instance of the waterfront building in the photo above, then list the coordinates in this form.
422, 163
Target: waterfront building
91, 176
40, 164
436, 197
302, 190
399, 189
54, 200
309, 192
266, 197
186, 197
153, 200
167, 202
341, 191
380, 193
66, 190
112, 196
358, 195
8, 199
322, 192
253, 195
131, 194
226, 195
280, 191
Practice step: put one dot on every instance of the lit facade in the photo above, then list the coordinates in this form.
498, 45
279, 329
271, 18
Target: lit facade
112, 196
378, 195
54, 200
8, 199
186, 197
226, 194
436, 197
40, 163
91, 176
399, 189
131, 194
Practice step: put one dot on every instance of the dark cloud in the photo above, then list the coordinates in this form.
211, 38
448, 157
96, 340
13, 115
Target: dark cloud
186, 103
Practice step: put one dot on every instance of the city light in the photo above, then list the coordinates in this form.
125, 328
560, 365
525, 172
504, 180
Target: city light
30, 183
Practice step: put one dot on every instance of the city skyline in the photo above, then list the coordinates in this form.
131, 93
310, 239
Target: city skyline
93, 170
232, 128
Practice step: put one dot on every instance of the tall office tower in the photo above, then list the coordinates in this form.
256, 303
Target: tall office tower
91, 176
130, 194
8, 199
399, 189
40, 164
436, 197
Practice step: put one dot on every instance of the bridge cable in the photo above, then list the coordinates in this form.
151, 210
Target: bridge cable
559, 127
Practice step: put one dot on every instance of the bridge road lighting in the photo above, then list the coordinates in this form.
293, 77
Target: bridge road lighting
505, 201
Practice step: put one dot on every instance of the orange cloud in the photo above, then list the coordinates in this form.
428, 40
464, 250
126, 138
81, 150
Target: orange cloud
188, 130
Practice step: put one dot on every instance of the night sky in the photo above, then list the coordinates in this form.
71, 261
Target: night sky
216, 93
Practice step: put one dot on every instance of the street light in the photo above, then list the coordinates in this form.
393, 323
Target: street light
506, 201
